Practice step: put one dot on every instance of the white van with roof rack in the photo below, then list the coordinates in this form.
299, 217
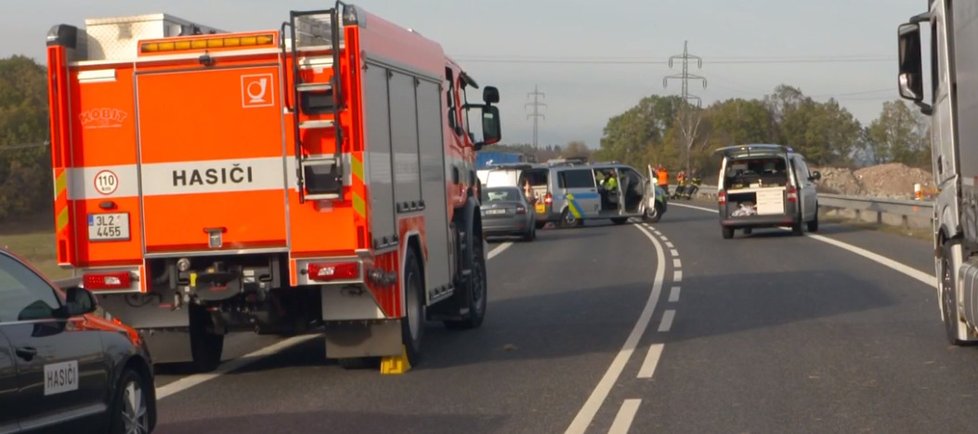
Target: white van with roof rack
765, 185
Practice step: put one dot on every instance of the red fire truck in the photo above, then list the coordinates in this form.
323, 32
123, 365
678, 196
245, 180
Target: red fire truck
318, 175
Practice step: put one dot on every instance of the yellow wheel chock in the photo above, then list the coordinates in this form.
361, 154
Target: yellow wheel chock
395, 365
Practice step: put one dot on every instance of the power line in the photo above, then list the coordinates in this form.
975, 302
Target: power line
689, 126
686, 76
645, 61
536, 115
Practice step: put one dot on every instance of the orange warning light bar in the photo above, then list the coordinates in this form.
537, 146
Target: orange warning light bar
208, 42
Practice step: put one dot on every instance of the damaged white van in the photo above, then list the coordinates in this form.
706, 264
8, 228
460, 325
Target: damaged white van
764, 185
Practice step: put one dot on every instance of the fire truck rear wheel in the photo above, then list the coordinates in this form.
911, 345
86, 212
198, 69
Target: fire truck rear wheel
206, 346
412, 325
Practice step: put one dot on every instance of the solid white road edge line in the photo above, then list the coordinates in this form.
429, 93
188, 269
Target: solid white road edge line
254, 356
499, 249
600, 393
626, 414
230, 365
926, 278
651, 361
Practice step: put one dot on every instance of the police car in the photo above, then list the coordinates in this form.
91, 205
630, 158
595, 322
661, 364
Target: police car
62, 366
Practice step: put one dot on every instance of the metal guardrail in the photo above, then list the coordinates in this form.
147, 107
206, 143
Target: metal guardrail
911, 213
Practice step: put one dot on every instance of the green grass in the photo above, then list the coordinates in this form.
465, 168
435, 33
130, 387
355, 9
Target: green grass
32, 238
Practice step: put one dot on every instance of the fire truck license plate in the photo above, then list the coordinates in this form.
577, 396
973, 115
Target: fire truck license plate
108, 227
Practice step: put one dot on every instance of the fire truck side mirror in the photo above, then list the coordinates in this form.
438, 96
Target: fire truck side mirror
911, 76
490, 95
491, 131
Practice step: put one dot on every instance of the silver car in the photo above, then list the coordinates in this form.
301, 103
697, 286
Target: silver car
505, 211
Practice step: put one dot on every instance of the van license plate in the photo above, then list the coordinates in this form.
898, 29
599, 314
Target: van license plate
106, 227
541, 208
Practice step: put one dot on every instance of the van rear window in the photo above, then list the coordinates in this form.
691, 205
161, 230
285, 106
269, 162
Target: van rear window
756, 172
576, 179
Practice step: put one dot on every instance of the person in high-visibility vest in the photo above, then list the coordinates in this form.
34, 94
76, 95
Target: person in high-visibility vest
663, 177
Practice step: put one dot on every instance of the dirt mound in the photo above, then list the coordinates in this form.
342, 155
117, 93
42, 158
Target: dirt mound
840, 181
892, 181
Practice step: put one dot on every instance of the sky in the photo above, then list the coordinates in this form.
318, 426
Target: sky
591, 60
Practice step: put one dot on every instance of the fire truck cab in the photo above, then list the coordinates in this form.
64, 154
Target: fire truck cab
316, 175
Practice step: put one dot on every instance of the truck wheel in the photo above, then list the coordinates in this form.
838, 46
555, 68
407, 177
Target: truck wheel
477, 287
540, 225
412, 325
813, 225
131, 412
619, 220
206, 346
567, 219
796, 228
727, 232
949, 299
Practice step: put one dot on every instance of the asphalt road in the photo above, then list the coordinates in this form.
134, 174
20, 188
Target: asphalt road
594, 330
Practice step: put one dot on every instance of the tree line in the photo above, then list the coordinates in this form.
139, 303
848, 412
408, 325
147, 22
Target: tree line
662, 129
25, 162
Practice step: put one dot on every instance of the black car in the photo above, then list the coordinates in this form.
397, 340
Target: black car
62, 366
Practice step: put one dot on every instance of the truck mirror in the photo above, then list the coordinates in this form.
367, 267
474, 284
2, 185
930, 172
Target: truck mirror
490, 95
490, 125
911, 75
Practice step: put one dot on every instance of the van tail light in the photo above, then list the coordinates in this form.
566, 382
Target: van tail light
327, 272
792, 193
722, 197
548, 199
521, 209
113, 280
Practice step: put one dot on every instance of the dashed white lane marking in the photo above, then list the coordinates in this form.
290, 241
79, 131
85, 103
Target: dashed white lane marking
926, 278
499, 249
600, 393
625, 416
676, 263
674, 252
678, 276
651, 361
669, 244
231, 365
667, 318
252, 357
674, 294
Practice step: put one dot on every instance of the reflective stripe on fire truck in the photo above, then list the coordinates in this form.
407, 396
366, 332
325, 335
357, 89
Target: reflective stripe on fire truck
359, 203
60, 199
